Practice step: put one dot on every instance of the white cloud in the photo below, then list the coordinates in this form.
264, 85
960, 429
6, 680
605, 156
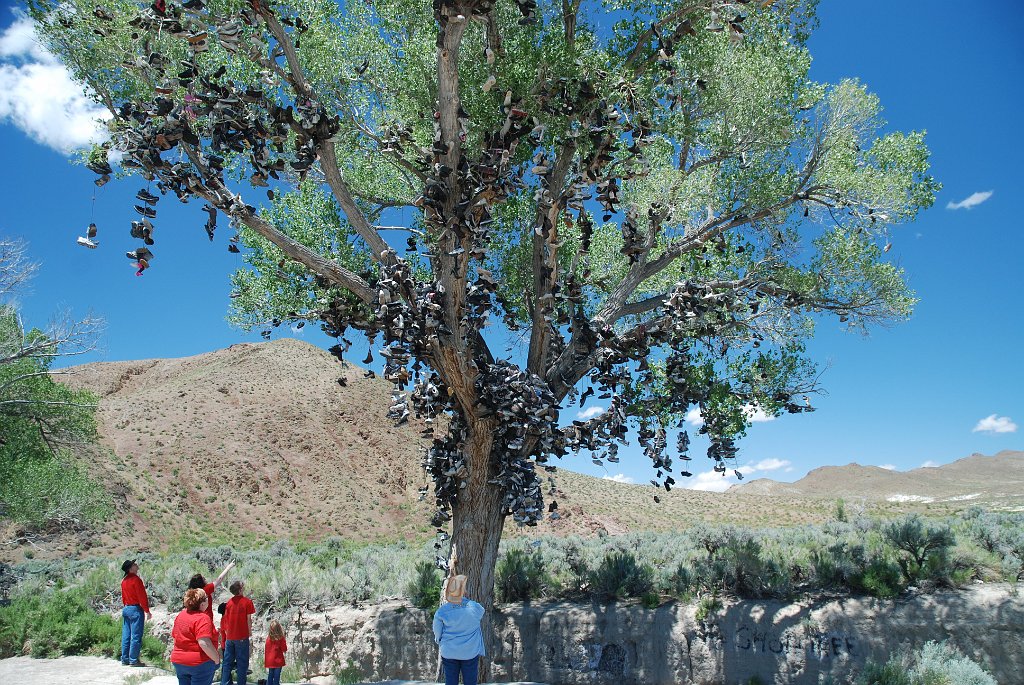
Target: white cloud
887, 467
589, 413
753, 412
767, 465
930, 464
38, 95
619, 478
971, 201
756, 415
709, 481
995, 424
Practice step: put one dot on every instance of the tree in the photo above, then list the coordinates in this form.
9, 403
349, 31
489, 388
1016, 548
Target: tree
653, 197
43, 423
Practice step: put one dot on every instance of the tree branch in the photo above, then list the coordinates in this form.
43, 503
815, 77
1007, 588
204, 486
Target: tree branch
319, 265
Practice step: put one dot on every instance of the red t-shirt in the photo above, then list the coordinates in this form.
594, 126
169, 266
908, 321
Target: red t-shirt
235, 623
209, 589
189, 626
133, 591
274, 654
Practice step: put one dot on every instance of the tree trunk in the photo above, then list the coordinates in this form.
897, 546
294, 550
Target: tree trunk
478, 518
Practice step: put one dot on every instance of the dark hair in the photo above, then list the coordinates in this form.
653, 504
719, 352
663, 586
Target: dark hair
222, 607
194, 598
236, 587
197, 582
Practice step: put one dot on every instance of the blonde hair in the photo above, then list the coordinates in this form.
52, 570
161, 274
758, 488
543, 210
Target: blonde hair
194, 598
276, 631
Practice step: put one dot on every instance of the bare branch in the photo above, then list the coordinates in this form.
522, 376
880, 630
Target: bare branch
15, 267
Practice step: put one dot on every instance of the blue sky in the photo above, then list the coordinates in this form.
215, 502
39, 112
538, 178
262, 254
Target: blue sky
946, 384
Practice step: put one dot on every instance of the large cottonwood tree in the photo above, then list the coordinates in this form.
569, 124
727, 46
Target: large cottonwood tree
651, 196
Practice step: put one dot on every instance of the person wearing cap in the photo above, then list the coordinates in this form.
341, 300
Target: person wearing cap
194, 655
136, 603
457, 632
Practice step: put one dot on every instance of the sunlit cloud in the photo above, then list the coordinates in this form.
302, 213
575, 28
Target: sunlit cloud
995, 424
766, 465
589, 413
887, 467
619, 478
930, 464
38, 95
710, 481
971, 201
753, 413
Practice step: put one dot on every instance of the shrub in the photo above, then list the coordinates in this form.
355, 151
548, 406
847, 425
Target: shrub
619, 576
893, 672
838, 566
62, 623
650, 600
520, 576
933, 664
425, 588
943, 663
706, 606
923, 548
681, 583
881, 578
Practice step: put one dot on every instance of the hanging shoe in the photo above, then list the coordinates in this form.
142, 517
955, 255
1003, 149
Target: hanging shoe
87, 243
145, 196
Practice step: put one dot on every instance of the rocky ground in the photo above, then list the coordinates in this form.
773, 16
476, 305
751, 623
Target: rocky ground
92, 670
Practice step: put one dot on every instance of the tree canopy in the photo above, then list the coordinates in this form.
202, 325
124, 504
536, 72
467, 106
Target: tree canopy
652, 200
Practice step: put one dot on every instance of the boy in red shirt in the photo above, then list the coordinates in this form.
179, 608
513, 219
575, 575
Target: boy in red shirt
237, 627
136, 603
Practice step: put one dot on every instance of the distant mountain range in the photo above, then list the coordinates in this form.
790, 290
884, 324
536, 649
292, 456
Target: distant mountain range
995, 481
259, 442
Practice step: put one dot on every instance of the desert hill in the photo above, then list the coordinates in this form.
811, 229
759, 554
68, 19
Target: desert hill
997, 481
259, 442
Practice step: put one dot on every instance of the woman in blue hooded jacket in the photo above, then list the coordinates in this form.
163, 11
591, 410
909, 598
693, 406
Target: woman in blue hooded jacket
457, 632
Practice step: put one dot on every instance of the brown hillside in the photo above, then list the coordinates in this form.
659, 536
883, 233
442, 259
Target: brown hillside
259, 442
257, 438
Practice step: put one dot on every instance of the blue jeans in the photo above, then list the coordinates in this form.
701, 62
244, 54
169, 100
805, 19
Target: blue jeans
195, 675
236, 656
274, 676
467, 667
132, 623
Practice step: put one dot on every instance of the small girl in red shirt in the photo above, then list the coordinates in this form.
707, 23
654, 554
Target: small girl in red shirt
273, 657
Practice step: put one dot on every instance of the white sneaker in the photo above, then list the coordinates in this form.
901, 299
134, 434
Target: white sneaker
92, 245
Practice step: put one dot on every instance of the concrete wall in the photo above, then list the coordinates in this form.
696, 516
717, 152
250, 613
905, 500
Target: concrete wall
625, 644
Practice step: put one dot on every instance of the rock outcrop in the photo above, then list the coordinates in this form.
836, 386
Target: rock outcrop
627, 644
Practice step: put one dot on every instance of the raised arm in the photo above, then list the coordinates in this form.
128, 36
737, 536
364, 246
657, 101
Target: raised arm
223, 574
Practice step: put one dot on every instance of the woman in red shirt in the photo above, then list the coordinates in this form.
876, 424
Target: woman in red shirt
273, 657
194, 656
